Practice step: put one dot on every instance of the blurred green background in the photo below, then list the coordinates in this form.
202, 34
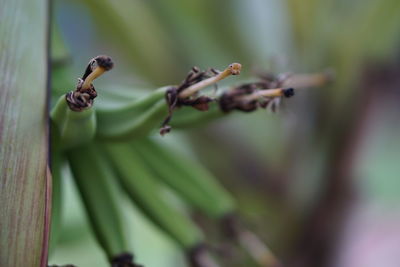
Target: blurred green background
320, 180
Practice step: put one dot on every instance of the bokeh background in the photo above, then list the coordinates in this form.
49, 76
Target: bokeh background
320, 180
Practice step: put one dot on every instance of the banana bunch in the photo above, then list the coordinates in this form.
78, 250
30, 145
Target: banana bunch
110, 152
83, 136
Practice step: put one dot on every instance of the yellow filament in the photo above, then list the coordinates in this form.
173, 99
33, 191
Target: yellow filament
233, 69
93, 75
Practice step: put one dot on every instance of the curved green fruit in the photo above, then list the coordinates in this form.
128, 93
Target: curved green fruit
146, 191
185, 118
74, 127
191, 180
132, 120
99, 190
118, 120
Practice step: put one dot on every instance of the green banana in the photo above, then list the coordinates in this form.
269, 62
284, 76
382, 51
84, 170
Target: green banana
146, 191
201, 190
100, 193
193, 182
192, 118
132, 120
74, 127
142, 115
138, 118
73, 115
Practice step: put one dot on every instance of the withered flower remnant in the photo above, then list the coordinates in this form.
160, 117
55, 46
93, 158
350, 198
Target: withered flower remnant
186, 93
85, 92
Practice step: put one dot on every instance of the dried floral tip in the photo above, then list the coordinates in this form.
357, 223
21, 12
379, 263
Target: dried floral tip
104, 62
124, 260
85, 93
96, 67
182, 95
78, 101
289, 92
232, 69
165, 129
200, 103
248, 98
235, 68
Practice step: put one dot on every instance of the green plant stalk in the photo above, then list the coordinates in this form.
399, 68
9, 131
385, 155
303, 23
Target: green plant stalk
74, 127
99, 190
25, 183
191, 180
146, 191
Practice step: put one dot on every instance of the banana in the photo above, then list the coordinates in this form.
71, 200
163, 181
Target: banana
192, 118
118, 120
74, 127
141, 116
73, 115
132, 120
145, 191
201, 190
100, 193
193, 182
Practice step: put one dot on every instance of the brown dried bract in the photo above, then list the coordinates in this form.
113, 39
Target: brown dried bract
200, 103
236, 98
230, 100
84, 95
79, 100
